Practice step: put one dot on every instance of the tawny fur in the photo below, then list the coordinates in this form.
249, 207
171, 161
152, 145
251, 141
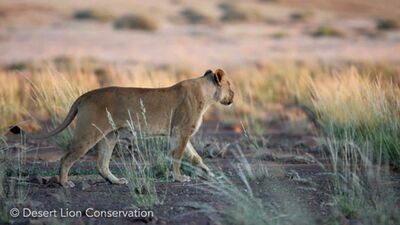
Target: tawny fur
176, 111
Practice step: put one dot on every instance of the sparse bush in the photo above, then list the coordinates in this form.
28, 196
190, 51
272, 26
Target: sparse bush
197, 16
136, 22
18, 66
93, 14
327, 31
300, 15
233, 12
387, 24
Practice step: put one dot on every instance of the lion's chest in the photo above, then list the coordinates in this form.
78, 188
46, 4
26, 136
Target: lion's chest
199, 121
197, 125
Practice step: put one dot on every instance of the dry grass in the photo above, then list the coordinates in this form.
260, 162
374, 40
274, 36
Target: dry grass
45, 94
364, 110
356, 109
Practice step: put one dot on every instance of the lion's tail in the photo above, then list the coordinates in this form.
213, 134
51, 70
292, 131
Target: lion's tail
68, 119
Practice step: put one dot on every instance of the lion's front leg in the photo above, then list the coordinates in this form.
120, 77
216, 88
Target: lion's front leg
196, 160
178, 145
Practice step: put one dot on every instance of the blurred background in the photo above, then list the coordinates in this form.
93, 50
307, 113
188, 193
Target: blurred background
201, 34
48, 47
316, 109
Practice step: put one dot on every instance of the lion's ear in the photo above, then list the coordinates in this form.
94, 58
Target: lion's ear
207, 72
218, 75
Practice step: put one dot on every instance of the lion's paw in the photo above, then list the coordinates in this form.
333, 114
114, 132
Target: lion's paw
122, 181
182, 178
68, 184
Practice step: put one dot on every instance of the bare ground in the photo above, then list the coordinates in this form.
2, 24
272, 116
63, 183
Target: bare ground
296, 183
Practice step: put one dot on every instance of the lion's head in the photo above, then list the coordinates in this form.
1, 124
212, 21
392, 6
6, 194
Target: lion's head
224, 93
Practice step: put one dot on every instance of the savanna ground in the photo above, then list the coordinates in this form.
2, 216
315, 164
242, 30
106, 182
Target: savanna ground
312, 138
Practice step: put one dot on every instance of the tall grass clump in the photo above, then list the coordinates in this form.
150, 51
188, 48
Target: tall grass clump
14, 187
359, 109
54, 93
240, 203
145, 161
362, 189
4, 215
13, 99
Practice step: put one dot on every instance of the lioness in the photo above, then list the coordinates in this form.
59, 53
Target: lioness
176, 111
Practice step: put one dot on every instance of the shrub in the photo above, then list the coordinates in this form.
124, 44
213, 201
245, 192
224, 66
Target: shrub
387, 24
18, 66
238, 13
300, 15
136, 22
197, 16
327, 31
93, 14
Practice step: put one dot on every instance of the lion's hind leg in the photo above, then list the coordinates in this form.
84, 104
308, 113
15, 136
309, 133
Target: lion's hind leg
196, 160
80, 145
105, 149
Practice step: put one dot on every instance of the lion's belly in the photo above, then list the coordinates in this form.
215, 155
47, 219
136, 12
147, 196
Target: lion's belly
149, 123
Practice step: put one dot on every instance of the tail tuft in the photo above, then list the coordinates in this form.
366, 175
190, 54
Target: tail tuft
15, 130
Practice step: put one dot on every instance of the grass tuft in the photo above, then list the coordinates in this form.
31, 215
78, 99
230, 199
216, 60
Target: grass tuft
360, 109
362, 190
